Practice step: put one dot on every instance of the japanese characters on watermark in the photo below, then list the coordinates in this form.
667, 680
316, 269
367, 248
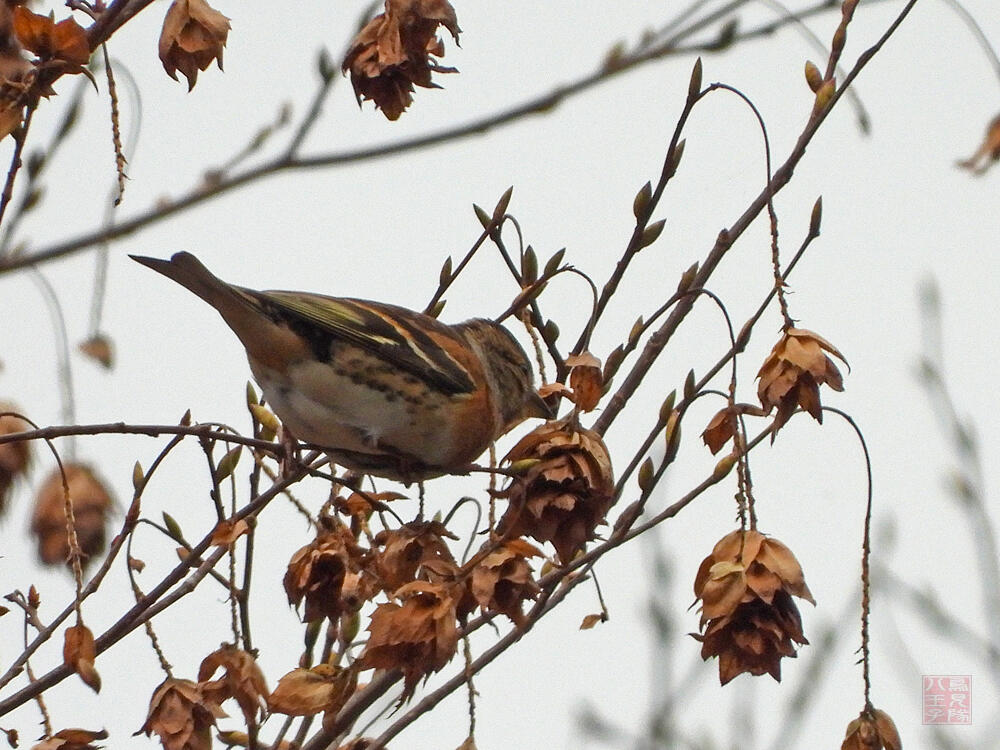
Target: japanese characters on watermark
947, 699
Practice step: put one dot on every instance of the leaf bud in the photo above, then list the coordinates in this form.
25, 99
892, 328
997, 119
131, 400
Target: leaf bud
501, 207
529, 265
553, 263
445, 276
651, 233
484, 218
824, 95
646, 477
816, 217
724, 466
641, 200
668, 406
694, 84
813, 77
687, 278
689, 386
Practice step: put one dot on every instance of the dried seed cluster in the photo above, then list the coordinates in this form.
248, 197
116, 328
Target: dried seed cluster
748, 617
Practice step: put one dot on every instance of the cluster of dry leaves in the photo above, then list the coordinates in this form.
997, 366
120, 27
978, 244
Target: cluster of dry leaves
58, 48
415, 596
393, 53
874, 729
748, 617
193, 36
406, 583
75, 486
35, 50
560, 493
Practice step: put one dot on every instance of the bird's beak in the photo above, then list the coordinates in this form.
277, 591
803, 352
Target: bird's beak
535, 406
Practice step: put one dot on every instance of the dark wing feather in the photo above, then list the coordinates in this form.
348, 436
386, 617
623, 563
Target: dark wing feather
394, 334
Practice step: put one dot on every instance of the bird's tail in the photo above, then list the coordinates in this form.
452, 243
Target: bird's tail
238, 307
189, 272
268, 342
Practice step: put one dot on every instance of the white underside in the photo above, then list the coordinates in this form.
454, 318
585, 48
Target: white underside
336, 413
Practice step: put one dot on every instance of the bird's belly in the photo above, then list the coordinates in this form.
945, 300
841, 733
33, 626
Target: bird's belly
359, 415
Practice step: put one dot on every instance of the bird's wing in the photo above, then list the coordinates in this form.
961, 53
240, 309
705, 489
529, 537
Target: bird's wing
401, 337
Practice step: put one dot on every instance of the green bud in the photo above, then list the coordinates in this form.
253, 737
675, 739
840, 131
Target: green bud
501, 207
687, 278
637, 329
228, 463
675, 158
31, 200
725, 465
550, 331
641, 200
173, 528
694, 85
726, 35
484, 218
651, 233
813, 77
816, 218
824, 95
645, 476
689, 386
34, 163
267, 420
667, 408
553, 264
445, 275
672, 434
529, 265
613, 362
350, 625
325, 65
521, 467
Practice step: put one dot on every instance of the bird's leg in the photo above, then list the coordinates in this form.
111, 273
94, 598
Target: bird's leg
290, 452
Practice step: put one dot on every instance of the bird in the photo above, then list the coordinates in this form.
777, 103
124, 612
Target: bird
382, 389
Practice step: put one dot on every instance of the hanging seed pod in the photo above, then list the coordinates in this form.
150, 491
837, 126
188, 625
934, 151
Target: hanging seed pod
748, 617
91, 503
564, 496
15, 457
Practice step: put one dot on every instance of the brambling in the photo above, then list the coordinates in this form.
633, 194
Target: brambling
382, 389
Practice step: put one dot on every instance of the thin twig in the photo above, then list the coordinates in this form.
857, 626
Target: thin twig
20, 136
207, 431
866, 553
116, 133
